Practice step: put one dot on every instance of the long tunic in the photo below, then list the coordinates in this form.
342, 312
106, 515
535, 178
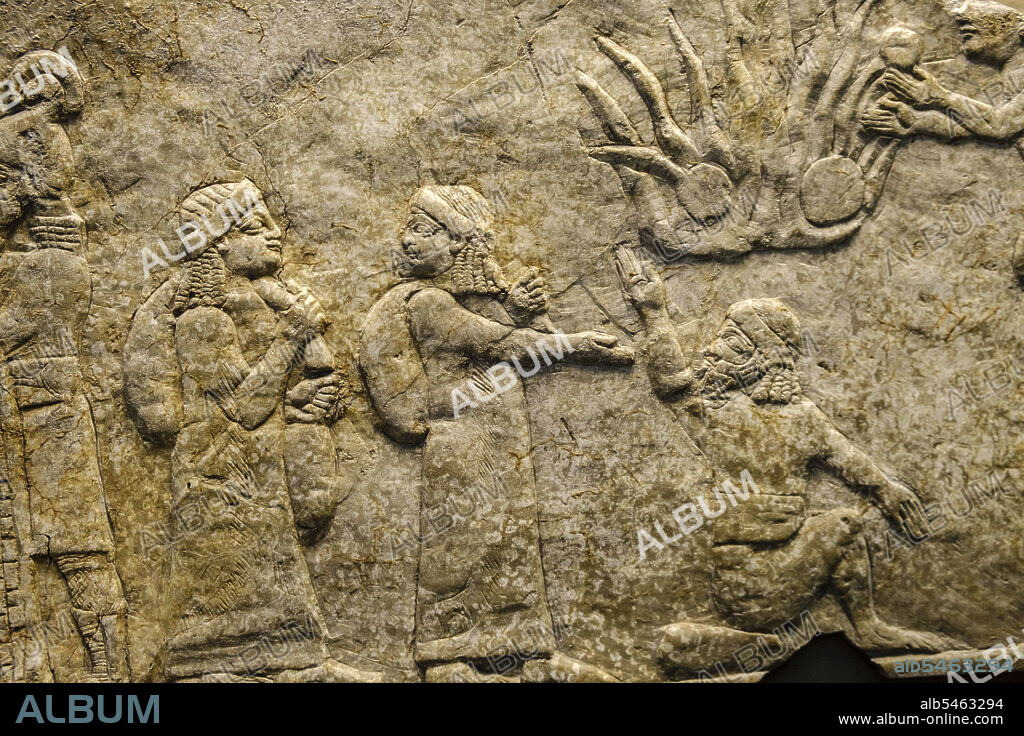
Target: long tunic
46, 294
481, 588
246, 604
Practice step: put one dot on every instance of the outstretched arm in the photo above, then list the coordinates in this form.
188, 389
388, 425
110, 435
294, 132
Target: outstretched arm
859, 471
894, 119
439, 322
924, 91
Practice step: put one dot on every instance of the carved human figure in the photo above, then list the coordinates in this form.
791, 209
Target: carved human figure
449, 330
992, 34
247, 401
740, 400
45, 292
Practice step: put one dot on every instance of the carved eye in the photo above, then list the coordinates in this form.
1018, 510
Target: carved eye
251, 225
422, 228
735, 341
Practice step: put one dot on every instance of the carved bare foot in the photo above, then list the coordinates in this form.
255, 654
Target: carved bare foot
560, 668
877, 636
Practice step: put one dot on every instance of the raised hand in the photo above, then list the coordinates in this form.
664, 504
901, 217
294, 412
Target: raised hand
640, 281
305, 317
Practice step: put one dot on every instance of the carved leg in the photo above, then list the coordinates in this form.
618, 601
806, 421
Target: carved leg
758, 590
852, 582
99, 611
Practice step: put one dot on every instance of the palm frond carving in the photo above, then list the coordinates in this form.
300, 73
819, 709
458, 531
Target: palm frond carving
770, 159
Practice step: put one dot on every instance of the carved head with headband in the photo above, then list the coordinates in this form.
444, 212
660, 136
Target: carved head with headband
466, 215
755, 351
41, 90
206, 217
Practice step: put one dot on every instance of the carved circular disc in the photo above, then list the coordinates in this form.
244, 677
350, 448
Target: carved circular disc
832, 190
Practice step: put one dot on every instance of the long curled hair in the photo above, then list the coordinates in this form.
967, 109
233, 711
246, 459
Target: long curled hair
466, 215
204, 274
203, 282
475, 271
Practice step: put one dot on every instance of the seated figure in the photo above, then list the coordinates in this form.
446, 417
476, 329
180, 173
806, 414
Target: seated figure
744, 408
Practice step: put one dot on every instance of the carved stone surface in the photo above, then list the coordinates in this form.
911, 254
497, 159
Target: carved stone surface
508, 341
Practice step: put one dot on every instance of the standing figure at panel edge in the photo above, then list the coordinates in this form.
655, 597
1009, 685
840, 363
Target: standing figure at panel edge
247, 401
45, 292
740, 400
481, 608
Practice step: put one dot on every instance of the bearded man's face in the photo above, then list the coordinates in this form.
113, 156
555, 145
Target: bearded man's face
989, 32
730, 359
10, 195
731, 346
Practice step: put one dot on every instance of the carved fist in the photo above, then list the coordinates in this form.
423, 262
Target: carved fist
640, 281
903, 507
305, 318
526, 297
313, 400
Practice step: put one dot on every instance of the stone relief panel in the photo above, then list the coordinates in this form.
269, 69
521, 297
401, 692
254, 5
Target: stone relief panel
519, 342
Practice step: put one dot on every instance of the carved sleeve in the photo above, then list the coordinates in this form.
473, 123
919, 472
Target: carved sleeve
209, 353
667, 363
436, 318
984, 120
939, 125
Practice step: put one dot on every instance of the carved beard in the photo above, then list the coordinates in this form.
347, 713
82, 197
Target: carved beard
718, 379
10, 208
10, 211
768, 376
